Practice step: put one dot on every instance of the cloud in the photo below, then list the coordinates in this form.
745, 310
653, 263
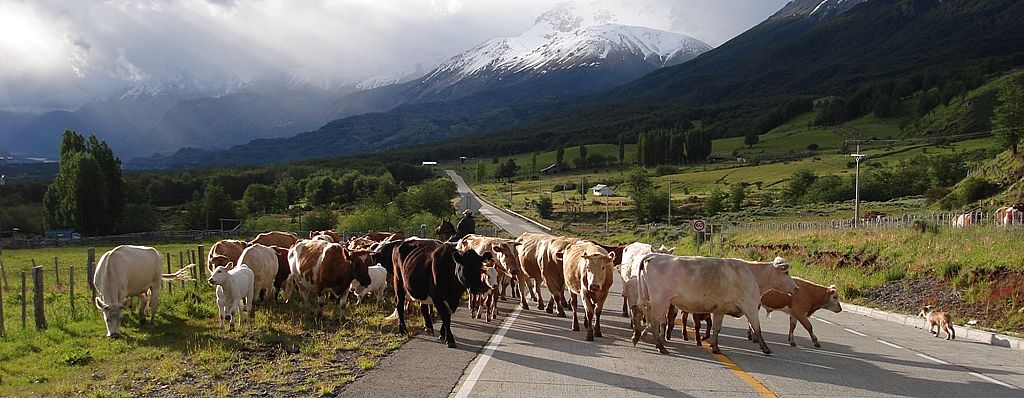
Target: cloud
63, 53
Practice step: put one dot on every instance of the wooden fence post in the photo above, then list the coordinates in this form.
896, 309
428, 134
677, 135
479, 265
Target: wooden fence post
3, 329
71, 286
3, 274
37, 287
24, 301
56, 272
181, 264
202, 262
170, 284
90, 262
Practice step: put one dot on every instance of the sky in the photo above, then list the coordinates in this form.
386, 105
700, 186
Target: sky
59, 54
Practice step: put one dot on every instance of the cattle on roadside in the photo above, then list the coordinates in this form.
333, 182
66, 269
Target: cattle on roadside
552, 267
718, 286
127, 271
230, 248
275, 238
632, 255
318, 267
235, 288
263, 262
531, 254
588, 272
486, 301
427, 269
800, 306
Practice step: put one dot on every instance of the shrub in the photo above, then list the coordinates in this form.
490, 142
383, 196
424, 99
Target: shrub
370, 218
812, 147
665, 169
319, 219
544, 207
715, 202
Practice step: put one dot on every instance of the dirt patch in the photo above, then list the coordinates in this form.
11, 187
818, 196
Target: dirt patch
908, 295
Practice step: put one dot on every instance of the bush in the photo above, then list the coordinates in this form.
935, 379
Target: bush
139, 217
923, 226
544, 207
370, 218
812, 147
665, 169
975, 189
319, 219
715, 202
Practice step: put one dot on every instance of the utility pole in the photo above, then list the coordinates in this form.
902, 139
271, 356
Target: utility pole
670, 203
856, 200
606, 216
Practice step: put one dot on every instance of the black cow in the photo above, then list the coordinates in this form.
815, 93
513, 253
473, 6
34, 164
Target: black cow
435, 270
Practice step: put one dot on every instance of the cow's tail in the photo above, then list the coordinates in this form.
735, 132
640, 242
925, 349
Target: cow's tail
644, 297
184, 274
289, 285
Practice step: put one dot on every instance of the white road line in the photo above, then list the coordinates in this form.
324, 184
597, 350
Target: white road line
888, 344
991, 380
822, 320
933, 359
485, 356
855, 332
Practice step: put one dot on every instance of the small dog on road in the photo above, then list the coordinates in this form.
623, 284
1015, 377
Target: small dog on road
940, 320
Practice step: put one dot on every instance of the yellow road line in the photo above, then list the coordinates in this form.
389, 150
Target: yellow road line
760, 388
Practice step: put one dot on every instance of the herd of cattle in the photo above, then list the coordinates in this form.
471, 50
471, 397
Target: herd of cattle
436, 275
1004, 216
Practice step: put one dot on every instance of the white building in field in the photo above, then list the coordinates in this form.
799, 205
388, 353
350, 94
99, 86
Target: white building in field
602, 190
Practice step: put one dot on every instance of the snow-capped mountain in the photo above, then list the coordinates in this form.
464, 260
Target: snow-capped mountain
820, 9
559, 42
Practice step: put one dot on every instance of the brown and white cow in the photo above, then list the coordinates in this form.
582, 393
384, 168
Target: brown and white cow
588, 272
717, 286
801, 305
486, 301
429, 269
318, 266
505, 253
328, 236
275, 238
230, 248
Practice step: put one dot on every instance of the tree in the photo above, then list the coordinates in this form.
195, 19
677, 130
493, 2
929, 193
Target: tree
622, 148
583, 151
1008, 116
88, 193
507, 170
481, 171
320, 190
258, 199
798, 184
751, 139
533, 164
544, 207
737, 194
560, 155
715, 202
207, 208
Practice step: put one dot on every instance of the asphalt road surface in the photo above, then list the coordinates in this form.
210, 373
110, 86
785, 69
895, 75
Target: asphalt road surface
534, 354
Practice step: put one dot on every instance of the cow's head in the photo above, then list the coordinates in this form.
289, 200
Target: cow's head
925, 310
382, 254
507, 256
219, 276
780, 279
361, 261
490, 277
219, 261
593, 268
111, 315
468, 267
833, 300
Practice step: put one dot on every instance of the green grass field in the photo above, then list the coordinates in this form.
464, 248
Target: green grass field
184, 350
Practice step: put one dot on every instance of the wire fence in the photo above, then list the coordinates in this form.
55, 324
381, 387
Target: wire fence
918, 220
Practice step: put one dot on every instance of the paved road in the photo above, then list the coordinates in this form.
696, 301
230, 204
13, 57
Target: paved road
538, 355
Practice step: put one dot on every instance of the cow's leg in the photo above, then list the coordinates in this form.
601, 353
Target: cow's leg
707, 332
400, 309
562, 304
574, 299
792, 328
755, 324
428, 323
810, 330
634, 319
716, 326
598, 307
143, 302
670, 316
625, 307
656, 323
539, 297
588, 315
696, 328
446, 322
522, 297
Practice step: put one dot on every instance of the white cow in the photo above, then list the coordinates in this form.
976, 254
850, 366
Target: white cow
707, 285
234, 293
127, 271
632, 256
262, 260
378, 283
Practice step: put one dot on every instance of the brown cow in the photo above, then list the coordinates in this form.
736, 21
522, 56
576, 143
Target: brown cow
318, 266
552, 267
588, 272
430, 269
230, 248
283, 270
697, 320
275, 238
328, 235
801, 305
531, 254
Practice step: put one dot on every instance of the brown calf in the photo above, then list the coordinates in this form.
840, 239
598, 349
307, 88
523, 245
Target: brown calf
801, 305
938, 322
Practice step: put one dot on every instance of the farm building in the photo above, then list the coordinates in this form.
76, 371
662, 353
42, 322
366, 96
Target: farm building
602, 190
552, 169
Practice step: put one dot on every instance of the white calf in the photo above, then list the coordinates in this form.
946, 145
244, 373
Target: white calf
378, 283
233, 286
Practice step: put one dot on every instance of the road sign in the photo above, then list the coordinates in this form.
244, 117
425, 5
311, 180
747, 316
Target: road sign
698, 225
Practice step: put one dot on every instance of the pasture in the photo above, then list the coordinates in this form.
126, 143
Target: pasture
183, 352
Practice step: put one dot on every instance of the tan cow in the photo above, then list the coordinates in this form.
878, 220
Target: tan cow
230, 248
717, 286
262, 260
276, 238
318, 266
127, 271
504, 252
632, 255
588, 272
553, 269
802, 305
531, 255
